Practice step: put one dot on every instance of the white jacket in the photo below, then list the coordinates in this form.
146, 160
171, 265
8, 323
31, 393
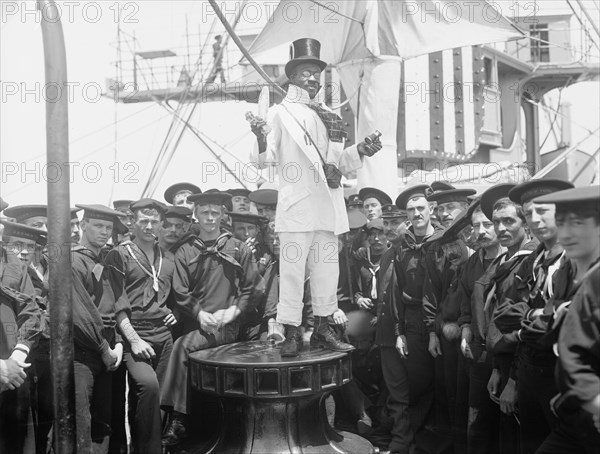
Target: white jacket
305, 202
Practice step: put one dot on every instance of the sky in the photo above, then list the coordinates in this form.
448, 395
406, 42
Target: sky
113, 146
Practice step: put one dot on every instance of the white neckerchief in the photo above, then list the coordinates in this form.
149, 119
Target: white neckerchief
154, 274
546, 285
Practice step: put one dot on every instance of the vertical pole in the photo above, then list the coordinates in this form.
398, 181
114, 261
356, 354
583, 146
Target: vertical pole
59, 232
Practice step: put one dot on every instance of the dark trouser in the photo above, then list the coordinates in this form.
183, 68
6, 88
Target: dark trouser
145, 378
420, 368
174, 391
510, 437
118, 438
575, 433
14, 410
536, 388
92, 396
41, 396
484, 414
395, 374
455, 385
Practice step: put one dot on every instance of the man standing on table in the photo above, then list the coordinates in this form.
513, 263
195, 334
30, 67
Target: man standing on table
306, 142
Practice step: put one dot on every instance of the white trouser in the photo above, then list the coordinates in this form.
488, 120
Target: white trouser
307, 254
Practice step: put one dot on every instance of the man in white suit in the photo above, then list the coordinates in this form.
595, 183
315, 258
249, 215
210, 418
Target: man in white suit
306, 143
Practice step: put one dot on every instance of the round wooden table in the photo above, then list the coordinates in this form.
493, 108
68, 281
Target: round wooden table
274, 404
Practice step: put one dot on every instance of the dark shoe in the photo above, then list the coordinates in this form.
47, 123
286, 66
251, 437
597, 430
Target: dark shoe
324, 336
364, 424
175, 431
293, 341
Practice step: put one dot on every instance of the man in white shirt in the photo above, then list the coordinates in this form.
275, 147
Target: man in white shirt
306, 141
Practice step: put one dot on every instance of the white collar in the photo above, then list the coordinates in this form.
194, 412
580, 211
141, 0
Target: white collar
299, 95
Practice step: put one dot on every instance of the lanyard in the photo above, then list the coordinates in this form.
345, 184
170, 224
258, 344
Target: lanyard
154, 274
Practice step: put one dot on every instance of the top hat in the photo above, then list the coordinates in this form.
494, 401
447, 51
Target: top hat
304, 50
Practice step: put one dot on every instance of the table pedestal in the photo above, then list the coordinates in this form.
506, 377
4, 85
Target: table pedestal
272, 404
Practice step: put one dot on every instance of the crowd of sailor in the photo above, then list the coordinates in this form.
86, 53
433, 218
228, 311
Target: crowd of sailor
475, 318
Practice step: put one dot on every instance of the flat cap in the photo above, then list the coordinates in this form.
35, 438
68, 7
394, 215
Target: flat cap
392, 211
588, 194
531, 189
179, 212
122, 205
213, 196
451, 195
74, 212
23, 212
492, 195
419, 190
437, 186
15, 230
366, 193
148, 204
100, 212
249, 218
173, 190
239, 192
264, 196
354, 200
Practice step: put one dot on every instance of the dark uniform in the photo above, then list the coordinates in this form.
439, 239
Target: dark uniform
532, 365
578, 373
392, 364
94, 333
209, 276
128, 268
410, 266
20, 326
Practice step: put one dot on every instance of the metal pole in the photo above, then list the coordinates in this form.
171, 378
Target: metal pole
59, 232
244, 51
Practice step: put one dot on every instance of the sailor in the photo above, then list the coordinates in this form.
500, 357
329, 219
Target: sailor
441, 305
178, 193
239, 199
214, 278
450, 203
409, 266
392, 343
373, 199
98, 349
439, 274
177, 220
355, 204
20, 327
500, 240
530, 380
141, 276
265, 199
311, 209
26, 243
75, 226
348, 282
438, 186
32, 215
578, 365
481, 336
127, 220
247, 225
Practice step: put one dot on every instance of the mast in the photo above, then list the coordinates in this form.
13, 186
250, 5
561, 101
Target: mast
59, 233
